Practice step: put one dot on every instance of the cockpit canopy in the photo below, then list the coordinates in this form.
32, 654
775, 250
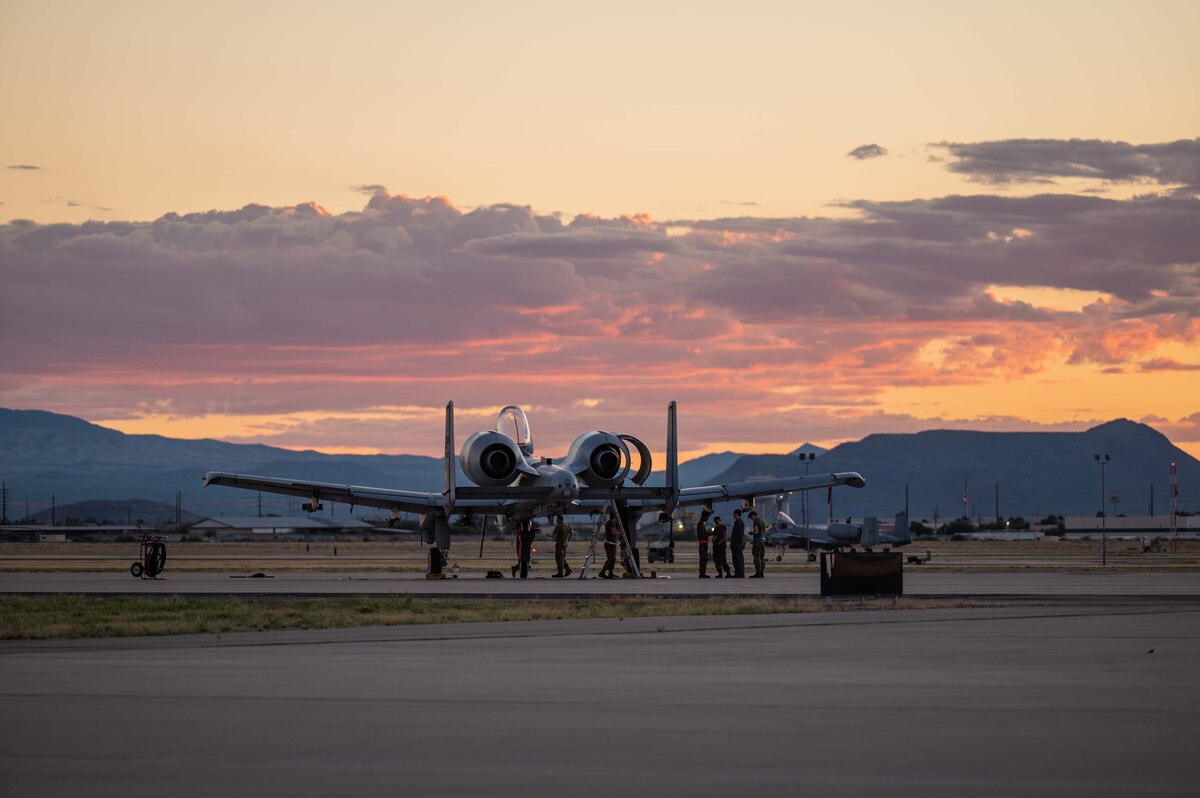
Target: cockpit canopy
520, 434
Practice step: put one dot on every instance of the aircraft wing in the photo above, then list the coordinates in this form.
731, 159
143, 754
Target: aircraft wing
411, 501
493, 500
767, 487
814, 538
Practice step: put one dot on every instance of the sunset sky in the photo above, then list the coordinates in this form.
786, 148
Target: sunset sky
312, 224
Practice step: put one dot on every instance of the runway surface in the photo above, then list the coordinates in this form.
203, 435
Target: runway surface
916, 583
1098, 701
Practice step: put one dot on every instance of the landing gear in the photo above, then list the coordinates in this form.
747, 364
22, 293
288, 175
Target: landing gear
437, 559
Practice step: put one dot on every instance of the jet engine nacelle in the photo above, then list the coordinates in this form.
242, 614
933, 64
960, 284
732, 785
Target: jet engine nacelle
599, 459
491, 459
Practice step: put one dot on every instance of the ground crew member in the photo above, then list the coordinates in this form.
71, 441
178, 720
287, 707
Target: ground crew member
737, 541
758, 545
719, 543
525, 535
702, 539
562, 533
611, 537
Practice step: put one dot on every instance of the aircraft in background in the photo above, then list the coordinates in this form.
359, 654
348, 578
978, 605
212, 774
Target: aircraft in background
510, 481
836, 535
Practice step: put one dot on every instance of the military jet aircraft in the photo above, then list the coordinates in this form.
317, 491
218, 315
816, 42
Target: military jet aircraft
511, 481
835, 535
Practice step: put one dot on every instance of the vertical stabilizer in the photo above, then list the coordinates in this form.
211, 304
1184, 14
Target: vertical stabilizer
672, 476
448, 463
870, 532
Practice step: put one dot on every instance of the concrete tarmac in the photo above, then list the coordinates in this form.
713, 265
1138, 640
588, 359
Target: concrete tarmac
916, 583
1095, 701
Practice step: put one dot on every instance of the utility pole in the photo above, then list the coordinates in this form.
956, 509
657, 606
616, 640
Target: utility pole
178, 507
1174, 510
260, 502
997, 501
4, 502
1103, 515
53, 510
906, 500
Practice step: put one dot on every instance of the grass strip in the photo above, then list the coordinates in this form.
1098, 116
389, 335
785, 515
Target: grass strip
47, 617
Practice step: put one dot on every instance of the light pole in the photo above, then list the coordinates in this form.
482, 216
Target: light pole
1103, 519
806, 458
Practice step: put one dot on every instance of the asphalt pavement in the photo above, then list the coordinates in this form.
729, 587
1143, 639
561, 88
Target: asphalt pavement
1096, 701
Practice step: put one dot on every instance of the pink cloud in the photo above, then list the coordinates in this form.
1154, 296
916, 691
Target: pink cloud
410, 301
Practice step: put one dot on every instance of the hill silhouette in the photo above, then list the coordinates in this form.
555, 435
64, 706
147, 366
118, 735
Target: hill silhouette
114, 511
44, 454
1037, 472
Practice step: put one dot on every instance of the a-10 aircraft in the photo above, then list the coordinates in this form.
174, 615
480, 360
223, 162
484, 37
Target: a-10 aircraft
510, 481
836, 535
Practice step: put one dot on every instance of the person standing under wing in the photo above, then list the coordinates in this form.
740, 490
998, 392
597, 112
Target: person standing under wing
737, 541
562, 534
719, 544
758, 544
702, 539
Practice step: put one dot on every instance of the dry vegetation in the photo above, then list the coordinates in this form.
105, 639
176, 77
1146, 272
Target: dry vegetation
47, 617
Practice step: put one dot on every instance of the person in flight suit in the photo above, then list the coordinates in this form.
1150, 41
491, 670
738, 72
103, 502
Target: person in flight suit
562, 533
702, 539
720, 538
737, 541
758, 545
611, 538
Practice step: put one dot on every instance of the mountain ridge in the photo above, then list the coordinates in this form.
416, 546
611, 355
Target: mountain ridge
43, 453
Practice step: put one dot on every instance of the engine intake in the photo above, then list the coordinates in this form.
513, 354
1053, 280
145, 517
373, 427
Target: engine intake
599, 459
491, 459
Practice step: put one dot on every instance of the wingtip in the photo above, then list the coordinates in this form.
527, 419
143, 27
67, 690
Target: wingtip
855, 480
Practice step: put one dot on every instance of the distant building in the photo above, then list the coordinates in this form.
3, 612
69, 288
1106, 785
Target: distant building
254, 526
1131, 526
62, 533
1008, 534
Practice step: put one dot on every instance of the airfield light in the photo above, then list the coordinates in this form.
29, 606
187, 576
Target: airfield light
806, 458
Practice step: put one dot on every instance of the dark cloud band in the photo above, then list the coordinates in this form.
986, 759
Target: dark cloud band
1043, 160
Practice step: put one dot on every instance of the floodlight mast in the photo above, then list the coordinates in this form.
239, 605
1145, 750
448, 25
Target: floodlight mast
1103, 518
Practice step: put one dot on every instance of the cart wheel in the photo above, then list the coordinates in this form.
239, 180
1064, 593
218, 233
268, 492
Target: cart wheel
156, 559
136, 569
